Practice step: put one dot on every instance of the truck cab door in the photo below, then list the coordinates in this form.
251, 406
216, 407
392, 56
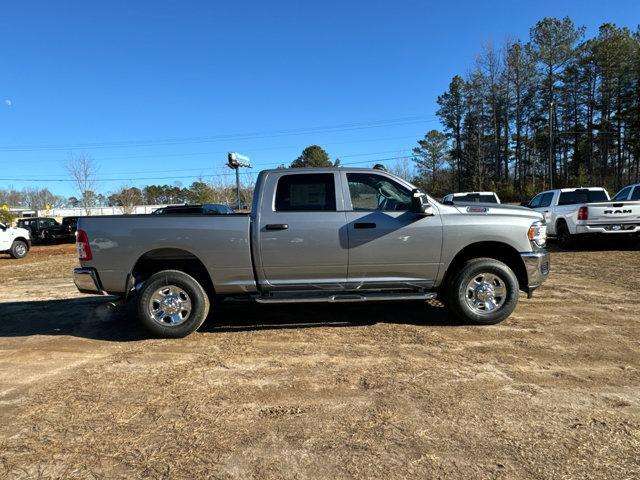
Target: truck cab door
389, 246
301, 237
546, 199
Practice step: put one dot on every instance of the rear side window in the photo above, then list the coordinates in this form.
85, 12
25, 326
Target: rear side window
183, 211
623, 194
546, 199
306, 192
476, 197
582, 196
636, 194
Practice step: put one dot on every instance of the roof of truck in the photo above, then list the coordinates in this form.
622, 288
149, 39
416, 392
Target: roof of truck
323, 169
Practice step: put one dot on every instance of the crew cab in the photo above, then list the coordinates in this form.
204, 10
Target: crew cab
571, 213
468, 197
14, 241
317, 235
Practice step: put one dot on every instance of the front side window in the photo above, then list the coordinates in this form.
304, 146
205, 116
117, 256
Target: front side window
306, 192
375, 192
535, 203
636, 194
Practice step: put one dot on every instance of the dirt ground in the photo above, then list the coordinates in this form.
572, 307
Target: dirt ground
312, 392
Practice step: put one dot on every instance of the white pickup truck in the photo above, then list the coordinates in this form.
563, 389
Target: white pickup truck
573, 212
14, 241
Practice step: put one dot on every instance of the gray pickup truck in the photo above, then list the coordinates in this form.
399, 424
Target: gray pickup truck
317, 235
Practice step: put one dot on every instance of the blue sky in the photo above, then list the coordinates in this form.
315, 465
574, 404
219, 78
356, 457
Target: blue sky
157, 92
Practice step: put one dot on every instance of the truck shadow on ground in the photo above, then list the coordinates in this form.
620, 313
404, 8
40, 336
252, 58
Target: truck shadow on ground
97, 318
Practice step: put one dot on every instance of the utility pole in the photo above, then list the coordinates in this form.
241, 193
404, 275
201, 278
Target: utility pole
236, 161
551, 166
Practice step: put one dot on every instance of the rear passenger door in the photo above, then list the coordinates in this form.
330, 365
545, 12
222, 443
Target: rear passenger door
302, 235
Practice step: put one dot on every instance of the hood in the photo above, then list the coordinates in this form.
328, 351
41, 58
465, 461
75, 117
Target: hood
474, 208
23, 232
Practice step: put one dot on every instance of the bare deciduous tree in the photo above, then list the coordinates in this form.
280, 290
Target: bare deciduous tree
84, 173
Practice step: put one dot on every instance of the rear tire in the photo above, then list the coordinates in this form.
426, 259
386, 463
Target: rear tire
172, 304
19, 249
484, 292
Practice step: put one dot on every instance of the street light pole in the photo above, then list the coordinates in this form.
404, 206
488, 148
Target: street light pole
551, 162
237, 169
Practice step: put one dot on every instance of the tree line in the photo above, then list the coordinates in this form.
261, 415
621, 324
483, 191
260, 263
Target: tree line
557, 110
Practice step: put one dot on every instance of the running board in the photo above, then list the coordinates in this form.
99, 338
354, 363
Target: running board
344, 297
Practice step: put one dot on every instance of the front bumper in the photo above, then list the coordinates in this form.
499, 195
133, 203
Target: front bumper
87, 281
537, 266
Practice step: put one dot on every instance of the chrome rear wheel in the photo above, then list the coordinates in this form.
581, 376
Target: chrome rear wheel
170, 305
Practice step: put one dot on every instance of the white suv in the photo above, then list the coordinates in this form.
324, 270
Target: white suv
14, 241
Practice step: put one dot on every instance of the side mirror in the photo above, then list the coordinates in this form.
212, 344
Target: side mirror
2, 227
419, 204
524, 204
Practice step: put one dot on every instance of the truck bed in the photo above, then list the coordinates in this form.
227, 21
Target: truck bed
222, 242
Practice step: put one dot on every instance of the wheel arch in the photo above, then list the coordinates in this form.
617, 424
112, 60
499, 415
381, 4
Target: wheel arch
170, 258
500, 251
22, 239
559, 221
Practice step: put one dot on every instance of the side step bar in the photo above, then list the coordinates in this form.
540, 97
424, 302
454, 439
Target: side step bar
344, 297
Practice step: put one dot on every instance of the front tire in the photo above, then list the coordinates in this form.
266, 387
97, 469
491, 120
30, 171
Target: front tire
484, 292
19, 249
172, 304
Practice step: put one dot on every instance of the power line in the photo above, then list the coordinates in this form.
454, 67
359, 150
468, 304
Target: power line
208, 167
225, 137
182, 177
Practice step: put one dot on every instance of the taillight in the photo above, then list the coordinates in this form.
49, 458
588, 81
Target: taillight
82, 245
583, 213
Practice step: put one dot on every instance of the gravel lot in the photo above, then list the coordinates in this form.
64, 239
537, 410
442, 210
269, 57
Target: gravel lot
335, 391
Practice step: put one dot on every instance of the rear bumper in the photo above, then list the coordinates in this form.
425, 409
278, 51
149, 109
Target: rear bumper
87, 281
537, 266
609, 229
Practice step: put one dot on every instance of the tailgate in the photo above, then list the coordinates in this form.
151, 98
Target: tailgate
614, 212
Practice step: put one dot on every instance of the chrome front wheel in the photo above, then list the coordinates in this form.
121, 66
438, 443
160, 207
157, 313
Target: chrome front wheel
486, 292
483, 291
